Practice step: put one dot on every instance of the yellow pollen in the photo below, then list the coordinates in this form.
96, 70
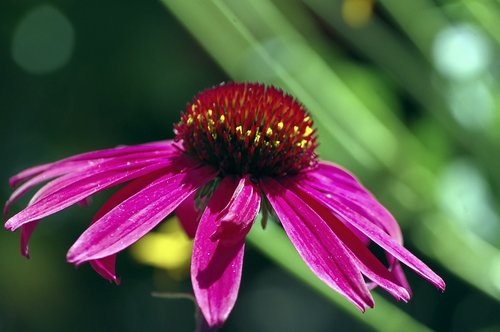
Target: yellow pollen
257, 138
248, 129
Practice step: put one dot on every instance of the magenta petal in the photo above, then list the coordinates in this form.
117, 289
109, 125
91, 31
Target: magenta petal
329, 178
137, 215
318, 246
188, 216
78, 190
361, 220
237, 217
164, 146
367, 263
106, 266
28, 228
334, 181
217, 264
27, 173
44, 176
92, 168
26, 232
397, 272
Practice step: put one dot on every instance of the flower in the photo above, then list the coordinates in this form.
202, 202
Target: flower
168, 249
239, 148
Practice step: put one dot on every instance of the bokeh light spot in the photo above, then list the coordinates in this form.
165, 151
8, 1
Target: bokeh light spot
461, 52
471, 104
43, 40
465, 195
357, 13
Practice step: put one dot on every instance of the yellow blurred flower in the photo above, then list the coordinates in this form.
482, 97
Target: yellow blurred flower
169, 249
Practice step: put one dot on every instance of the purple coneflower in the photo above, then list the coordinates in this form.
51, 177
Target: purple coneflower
239, 148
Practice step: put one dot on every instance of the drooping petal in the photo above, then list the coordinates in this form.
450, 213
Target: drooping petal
27, 173
106, 266
334, 181
55, 200
28, 228
217, 263
79, 170
26, 232
137, 215
398, 273
318, 246
166, 145
368, 264
44, 176
237, 217
329, 178
361, 220
188, 216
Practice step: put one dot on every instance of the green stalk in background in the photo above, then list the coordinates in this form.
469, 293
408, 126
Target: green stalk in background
253, 40
274, 244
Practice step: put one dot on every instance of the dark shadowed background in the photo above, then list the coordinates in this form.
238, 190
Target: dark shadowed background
406, 94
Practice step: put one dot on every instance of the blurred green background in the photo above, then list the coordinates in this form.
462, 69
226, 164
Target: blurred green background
404, 93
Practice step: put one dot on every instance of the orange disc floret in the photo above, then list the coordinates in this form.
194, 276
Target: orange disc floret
249, 128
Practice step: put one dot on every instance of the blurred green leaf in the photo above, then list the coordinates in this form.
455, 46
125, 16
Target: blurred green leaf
260, 43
